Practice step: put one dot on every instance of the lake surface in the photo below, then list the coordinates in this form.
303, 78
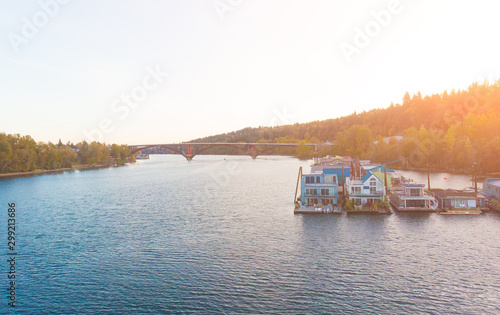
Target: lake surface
219, 236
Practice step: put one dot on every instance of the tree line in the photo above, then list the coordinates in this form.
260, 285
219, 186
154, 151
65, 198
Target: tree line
454, 130
24, 154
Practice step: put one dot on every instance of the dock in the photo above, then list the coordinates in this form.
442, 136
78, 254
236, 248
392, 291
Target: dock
317, 210
461, 212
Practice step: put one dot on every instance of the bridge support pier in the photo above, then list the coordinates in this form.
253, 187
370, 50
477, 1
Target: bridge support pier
189, 155
254, 153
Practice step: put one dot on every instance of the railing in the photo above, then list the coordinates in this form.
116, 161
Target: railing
359, 194
320, 184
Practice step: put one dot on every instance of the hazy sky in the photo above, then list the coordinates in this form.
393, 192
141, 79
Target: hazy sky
69, 70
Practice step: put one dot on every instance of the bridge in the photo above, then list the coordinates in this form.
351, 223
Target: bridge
190, 150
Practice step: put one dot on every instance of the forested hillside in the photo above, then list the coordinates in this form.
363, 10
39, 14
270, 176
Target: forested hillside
23, 154
452, 130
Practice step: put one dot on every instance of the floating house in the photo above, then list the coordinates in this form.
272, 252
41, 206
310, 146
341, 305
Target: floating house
319, 188
322, 185
449, 199
412, 197
366, 189
491, 187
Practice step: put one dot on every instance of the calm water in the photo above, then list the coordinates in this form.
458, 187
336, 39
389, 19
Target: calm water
215, 236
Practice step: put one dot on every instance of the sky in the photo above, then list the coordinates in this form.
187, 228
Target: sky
165, 71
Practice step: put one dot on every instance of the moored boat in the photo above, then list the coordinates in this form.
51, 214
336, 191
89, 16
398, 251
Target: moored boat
142, 157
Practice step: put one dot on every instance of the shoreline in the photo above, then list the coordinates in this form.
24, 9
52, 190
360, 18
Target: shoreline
53, 171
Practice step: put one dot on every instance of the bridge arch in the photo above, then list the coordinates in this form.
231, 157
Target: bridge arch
160, 146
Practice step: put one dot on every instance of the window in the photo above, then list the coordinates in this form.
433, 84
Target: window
311, 192
325, 192
330, 179
415, 203
318, 179
356, 190
415, 192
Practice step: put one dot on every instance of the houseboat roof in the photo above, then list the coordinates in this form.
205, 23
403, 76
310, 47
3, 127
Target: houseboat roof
493, 181
321, 168
412, 185
443, 193
378, 168
366, 176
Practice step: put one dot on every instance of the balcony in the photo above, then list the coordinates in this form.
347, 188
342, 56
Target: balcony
321, 185
320, 196
360, 194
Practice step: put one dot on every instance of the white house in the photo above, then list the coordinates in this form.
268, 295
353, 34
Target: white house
366, 189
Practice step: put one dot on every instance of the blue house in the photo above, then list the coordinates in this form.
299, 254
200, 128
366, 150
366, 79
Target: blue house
322, 186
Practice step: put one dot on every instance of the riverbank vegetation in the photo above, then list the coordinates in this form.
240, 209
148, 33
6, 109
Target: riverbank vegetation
449, 131
24, 154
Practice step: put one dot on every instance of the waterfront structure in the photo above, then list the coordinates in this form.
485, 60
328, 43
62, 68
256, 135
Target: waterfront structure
449, 199
378, 171
340, 170
491, 187
142, 157
366, 189
410, 196
333, 160
319, 188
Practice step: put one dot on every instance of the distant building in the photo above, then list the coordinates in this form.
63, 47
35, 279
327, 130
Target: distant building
364, 162
333, 160
491, 187
387, 140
